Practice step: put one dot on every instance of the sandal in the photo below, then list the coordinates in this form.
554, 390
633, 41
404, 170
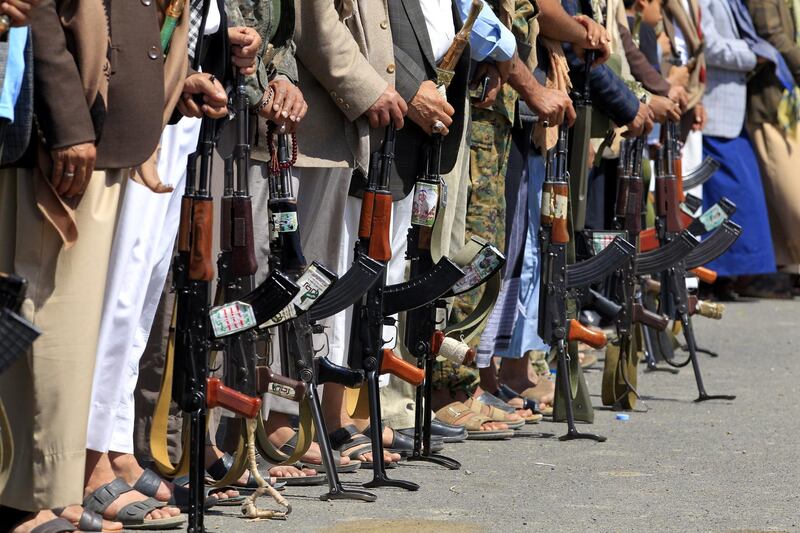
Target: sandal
494, 401
403, 444
182, 485
529, 394
459, 414
89, 520
492, 412
149, 482
219, 469
350, 443
57, 525
132, 516
305, 480
289, 448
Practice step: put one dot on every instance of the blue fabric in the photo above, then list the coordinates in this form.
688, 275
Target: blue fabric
609, 92
739, 179
525, 336
489, 38
760, 46
15, 69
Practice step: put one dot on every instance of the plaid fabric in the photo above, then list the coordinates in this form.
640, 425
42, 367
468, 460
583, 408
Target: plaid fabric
195, 20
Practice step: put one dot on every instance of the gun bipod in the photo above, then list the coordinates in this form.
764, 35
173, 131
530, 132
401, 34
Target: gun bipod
563, 381
688, 333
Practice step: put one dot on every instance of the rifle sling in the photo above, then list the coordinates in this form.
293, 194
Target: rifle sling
6, 447
472, 325
305, 436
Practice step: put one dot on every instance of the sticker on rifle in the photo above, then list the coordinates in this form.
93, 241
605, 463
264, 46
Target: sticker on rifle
685, 209
601, 239
547, 206
479, 269
443, 196
713, 218
560, 207
284, 222
232, 318
313, 284
426, 199
282, 391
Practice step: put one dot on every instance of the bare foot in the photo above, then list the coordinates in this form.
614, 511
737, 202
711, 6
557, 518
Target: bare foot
280, 435
73, 514
280, 472
213, 454
127, 467
520, 411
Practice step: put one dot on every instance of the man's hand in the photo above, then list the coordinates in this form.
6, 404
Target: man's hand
245, 44
678, 76
642, 124
389, 107
700, 118
679, 95
287, 103
551, 105
596, 39
490, 73
427, 107
72, 169
215, 101
17, 10
664, 109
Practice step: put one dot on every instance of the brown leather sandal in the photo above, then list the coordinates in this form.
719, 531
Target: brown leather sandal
458, 414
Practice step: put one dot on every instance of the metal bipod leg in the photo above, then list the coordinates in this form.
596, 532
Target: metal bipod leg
688, 333
562, 379
649, 354
422, 423
379, 478
197, 444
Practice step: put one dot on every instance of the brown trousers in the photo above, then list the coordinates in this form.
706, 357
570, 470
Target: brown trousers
47, 394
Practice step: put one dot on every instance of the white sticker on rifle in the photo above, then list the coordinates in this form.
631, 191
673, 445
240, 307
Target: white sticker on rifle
282, 391
713, 217
231, 318
547, 206
426, 200
313, 284
560, 207
284, 222
479, 269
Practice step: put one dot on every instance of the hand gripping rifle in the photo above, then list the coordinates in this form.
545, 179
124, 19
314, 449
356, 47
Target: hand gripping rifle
381, 302
558, 278
16, 337
294, 325
674, 294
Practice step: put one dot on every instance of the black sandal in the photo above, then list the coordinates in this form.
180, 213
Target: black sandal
56, 525
219, 469
89, 520
351, 443
132, 516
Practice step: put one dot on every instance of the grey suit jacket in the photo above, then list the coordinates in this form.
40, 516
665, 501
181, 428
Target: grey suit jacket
415, 63
728, 60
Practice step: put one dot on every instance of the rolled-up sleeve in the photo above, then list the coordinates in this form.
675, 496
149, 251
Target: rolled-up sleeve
489, 39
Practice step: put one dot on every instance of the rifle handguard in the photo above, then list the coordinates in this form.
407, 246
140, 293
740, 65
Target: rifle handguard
451, 349
642, 315
580, 333
201, 266
710, 310
706, 275
185, 229
267, 382
392, 364
560, 230
243, 253
380, 244
218, 395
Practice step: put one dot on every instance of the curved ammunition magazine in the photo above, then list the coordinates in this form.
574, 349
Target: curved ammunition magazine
664, 257
716, 245
600, 266
358, 279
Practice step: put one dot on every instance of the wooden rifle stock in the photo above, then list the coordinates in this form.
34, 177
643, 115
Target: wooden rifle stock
218, 395
392, 364
201, 265
706, 275
580, 333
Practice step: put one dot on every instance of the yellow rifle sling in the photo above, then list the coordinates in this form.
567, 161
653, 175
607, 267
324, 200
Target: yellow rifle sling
357, 402
239, 462
305, 436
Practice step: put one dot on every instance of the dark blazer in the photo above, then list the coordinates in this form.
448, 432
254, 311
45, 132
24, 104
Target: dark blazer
609, 92
774, 22
128, 127
414, 64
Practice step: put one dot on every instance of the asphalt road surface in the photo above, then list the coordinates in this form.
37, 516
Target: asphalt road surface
680, 466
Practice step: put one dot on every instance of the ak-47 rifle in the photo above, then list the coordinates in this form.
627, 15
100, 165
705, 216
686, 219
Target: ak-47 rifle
559, 278
294, 325
674, 293
375, 310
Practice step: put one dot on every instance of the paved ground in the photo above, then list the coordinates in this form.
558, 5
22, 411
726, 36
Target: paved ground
681, 466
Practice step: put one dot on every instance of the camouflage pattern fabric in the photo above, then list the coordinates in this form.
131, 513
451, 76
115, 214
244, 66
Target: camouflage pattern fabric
274, 22
455, 378
486, 211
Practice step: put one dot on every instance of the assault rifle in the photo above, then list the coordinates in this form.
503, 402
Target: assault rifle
294, 324
560, 279
375, 310
674, 294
